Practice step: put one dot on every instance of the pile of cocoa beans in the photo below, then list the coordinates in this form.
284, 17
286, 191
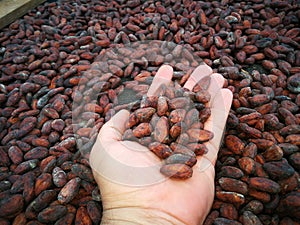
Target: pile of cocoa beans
60, 81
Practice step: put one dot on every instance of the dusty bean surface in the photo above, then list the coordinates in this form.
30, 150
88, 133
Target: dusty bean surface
50, 61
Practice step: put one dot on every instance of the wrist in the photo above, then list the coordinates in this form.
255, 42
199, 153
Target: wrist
137, 215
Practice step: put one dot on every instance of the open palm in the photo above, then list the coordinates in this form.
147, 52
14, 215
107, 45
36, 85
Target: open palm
128, 173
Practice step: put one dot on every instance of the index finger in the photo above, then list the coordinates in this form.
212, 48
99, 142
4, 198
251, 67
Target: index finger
199, 73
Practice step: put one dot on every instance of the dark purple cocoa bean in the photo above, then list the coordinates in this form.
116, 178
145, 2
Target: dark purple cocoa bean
11, 206
278, 170
52, 213
249, 217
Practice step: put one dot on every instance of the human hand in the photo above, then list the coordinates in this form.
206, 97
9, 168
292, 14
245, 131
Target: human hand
132, 188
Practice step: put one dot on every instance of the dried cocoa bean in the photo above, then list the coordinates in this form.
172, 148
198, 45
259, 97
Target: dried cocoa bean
161, 150
177, 171
181, 159
69, 191
11, 206
52, 213
264, 184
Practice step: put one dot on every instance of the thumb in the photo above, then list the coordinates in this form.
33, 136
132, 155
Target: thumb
114, 128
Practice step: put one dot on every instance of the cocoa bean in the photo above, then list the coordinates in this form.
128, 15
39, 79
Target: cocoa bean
198, 135
230, 184
181, 159
264, 184
161, 150
232, 197
177, 171
161, 130
250, 218
11, 206
278, 169
82, 216
52, 213
69, 191
289, 204
142, 130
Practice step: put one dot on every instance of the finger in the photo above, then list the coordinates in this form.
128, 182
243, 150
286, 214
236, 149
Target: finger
114, 128
163, 76
200, 72
216, 123
216, 84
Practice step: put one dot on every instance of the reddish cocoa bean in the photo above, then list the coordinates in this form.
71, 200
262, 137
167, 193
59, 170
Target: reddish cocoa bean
264, 184
177, 171
230, 184
161, 150
234, 144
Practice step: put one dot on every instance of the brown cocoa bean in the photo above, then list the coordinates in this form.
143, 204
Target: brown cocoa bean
52, 213
11, 206
161, 130
82, 217
43, 182
181, 159
230, 184
161, 150
94, 211
247, 165
231, 197
178, 103
289, 204
249, 217
234, 144
202, 96
69, 191
273, 153
177, 115
198, 148
162, 106
177, 171
144, 114
264, 184
142, 130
